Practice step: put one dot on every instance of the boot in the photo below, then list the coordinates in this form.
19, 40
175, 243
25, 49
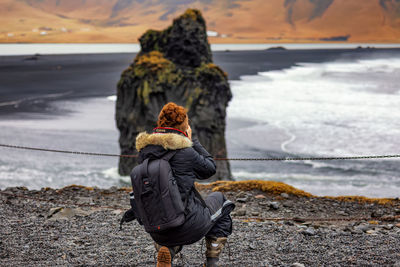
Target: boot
214, 248
165, 255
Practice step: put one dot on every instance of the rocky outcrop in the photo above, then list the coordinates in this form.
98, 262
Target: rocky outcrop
174, 65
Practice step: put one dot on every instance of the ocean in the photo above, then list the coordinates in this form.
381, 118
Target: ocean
342, 107
330, 109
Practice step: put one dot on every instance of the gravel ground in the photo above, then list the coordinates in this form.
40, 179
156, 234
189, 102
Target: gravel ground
68, 227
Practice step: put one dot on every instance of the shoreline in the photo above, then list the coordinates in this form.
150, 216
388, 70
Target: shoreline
278, 226
58, 77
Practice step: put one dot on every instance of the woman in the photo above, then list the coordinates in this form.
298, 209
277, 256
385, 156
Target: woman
191, 161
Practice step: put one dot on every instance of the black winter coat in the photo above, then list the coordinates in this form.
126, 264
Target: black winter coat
190, 162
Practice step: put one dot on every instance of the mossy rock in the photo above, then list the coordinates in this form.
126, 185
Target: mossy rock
277, 188
174, 65
151, 62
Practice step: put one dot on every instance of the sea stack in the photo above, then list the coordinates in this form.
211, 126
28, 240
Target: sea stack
174, 65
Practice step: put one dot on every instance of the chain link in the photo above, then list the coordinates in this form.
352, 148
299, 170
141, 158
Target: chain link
222, 159
68, 151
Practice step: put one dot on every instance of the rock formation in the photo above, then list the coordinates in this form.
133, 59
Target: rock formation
174, 65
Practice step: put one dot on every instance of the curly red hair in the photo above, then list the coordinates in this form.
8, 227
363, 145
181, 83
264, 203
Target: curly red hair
173, 115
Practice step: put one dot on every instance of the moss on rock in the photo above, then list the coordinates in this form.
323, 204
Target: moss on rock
277, 188
192, 14
361, 199
272, 187
151, 62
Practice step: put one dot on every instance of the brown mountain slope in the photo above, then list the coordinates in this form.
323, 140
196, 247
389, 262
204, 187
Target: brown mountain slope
246, 21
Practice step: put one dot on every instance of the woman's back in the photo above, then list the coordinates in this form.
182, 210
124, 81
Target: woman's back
187, 165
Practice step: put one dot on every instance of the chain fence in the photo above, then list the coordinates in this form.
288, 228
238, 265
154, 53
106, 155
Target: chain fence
295, 219
222, 159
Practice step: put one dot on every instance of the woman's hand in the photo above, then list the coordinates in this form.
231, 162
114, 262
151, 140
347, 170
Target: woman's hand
189, 132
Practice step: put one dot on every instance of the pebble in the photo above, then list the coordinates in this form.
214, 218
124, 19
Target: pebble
241, 194
149, 248
252, 245
266, 263
371, 232
284, 195
241, 212
345, 233
388, 218
118, 212
377, 214
297, 264
85, 200
53, 211
363, 227
242, 199
260, 197
309, 231
274, 205
356, 231
388, 226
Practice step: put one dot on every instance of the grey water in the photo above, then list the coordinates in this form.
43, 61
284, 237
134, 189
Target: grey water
346, 107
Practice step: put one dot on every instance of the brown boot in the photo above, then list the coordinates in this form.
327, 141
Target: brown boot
165, 255
214, 248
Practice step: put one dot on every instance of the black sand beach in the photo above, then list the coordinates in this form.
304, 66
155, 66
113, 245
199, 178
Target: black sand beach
27, 83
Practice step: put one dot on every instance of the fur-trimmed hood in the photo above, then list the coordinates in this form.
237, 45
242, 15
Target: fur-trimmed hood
169, 141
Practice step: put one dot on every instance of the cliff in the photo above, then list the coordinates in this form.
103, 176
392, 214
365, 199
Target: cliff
174, 65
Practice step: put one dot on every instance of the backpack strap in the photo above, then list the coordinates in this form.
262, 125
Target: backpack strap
129, 215
169, 155
144, 168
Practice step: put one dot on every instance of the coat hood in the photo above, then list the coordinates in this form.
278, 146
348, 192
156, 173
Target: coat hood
169, 141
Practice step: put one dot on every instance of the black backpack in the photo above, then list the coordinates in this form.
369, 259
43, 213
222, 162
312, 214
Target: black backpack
158, 202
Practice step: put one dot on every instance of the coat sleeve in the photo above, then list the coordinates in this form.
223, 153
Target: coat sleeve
203, 163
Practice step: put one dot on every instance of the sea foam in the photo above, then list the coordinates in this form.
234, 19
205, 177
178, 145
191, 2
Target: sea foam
329, 114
